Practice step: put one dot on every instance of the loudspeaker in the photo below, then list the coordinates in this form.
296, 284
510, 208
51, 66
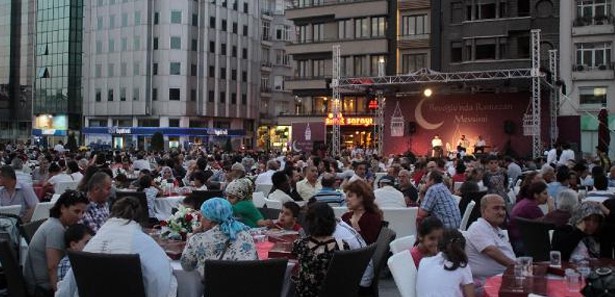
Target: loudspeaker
411, 128
509, 127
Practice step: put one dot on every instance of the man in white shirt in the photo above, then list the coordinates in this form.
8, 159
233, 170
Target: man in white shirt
265, 177
309, 186
281, 185
480, 145
59, 147
567, 155
488, 249
387, 195
436, 145
141, 163
360, 172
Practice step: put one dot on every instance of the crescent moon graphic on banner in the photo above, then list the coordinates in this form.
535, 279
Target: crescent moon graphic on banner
418, 116
295, 147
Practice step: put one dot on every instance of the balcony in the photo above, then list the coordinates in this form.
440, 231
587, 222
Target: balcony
598, 20
266, 66
589, 72
305, 9
414, 41
306, 83
593, 26
348, 46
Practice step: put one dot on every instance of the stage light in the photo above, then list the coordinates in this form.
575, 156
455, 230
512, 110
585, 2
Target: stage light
427, 92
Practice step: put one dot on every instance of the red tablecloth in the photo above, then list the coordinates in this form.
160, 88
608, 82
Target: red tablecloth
555, 287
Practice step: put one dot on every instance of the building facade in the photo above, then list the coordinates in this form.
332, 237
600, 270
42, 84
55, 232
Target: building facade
17, 21
57, 102
586, 64
276, 68
169, 64
366, 32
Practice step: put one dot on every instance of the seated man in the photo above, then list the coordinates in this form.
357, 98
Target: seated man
281, 186
488, 249
387, 195
601, 193
328, 194
287, 220
16, 193
439, 202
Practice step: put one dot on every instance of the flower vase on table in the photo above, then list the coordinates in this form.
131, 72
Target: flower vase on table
180, 224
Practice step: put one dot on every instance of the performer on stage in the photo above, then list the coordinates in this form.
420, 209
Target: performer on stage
480, 145
463, 144
436, 145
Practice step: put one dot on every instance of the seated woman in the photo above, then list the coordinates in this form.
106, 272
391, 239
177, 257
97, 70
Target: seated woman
447, 274
429, 234
224, 238
567, 199
199, 180
167, 174
239, 194
47, 245
121, 234
363, 215
528, 209
315, 252
580, 236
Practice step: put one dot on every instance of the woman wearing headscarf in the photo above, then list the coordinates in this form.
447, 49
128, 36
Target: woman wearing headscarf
239, 194
167, 173
224, 238
581, 236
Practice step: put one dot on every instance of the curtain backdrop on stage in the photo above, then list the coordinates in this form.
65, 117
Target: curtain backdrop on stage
450, 116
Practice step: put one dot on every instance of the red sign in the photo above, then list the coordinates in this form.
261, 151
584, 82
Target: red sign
373, 104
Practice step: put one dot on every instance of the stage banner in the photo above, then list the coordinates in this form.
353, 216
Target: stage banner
304, 135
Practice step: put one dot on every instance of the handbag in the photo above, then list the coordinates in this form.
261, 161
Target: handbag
600, 283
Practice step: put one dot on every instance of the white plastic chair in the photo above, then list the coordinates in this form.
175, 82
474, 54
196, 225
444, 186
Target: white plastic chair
272, 203
12, 209
264, 188
339, 211
377, 178
61, 187
258, 198
401, 244
41, 211
457, 198
55, 198
466, 216
402, 220
404, 273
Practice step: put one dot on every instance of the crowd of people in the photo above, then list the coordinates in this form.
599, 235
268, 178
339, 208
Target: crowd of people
572, 195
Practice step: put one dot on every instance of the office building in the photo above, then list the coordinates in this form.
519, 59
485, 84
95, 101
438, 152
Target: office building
189, 69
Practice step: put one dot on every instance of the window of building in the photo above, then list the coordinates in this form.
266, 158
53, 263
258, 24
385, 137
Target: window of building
175, 68
154, 94
456, 51
212, 71
194, 45
235, 27
594, 55
245, 7
244, 76
412, 62
265, 84
174, 94
174, 123
233, 74
98, 95
361, 67
176, 42
233, 98
485, 49
303, 34
523, 7
266, 30
195, 19
110, 70
156, 18
281, 58
193, 70
244, 53
361, 28
193, 95
415, 25
245, 30
378, 26
135, 94
223, 72
593, 10
303, 68
211, 96
222, 97
123, 94
155, 43
592, 95
176, 17
344, 29
457, 15
346, 67
135, 68
212, 22
223, 48
110, 95
212, 47
484, 11
319, 68
377, 62
155, 69
318, 32
244, 99
223, 25
234, 51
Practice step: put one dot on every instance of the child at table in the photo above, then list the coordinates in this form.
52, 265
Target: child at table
75, 238
429, 234
287, 220
446, 274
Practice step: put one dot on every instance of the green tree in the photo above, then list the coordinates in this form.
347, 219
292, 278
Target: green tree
71, 143
157, 142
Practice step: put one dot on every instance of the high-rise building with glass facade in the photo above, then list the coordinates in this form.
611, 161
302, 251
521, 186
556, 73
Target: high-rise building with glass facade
57, 101
16, 70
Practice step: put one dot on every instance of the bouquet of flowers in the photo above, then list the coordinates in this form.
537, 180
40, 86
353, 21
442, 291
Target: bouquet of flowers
163, 183
182, 222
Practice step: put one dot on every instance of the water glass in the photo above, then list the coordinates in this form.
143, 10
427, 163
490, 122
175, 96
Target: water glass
555, 259
526, 262
583, 268
518, 270
573, 280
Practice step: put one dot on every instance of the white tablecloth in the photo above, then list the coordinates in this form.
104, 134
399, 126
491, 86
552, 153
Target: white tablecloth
189, 282
163, 206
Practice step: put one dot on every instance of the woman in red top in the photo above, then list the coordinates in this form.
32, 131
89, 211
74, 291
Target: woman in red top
364, 215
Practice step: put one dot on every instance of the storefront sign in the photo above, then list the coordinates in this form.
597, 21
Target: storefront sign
116, 130
373, 104
219, 132
352, 121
